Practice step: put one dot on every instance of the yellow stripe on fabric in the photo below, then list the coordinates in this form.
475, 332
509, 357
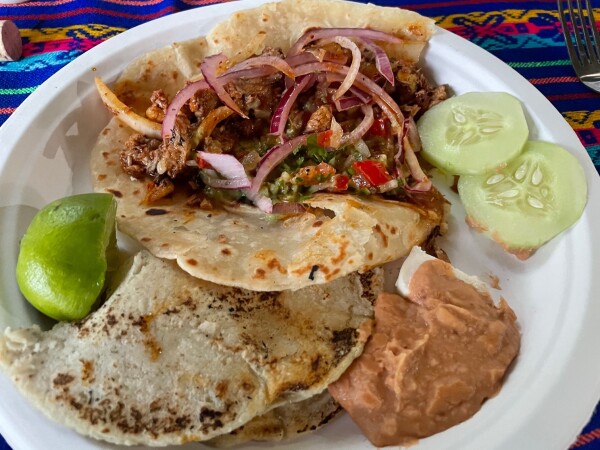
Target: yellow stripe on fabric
96, 31
510, 15
485, 18
582, 119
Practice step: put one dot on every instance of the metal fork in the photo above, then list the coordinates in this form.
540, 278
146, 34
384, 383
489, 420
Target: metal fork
583, 43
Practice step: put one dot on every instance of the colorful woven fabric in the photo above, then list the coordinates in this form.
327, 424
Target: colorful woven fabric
525, 35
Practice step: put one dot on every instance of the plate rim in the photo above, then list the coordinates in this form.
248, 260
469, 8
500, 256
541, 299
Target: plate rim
83, 62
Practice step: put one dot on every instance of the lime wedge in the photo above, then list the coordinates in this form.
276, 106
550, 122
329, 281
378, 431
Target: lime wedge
63, 255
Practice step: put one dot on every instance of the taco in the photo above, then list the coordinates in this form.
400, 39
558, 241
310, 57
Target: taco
275, 153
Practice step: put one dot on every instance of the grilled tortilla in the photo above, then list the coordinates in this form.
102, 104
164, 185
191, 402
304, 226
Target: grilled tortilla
239, 247
170, 358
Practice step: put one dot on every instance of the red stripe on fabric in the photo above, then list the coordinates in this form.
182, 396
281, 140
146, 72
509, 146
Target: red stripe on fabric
503, 29
204, 2
134, 2
586, 438
588, 136
28, 4
7, 110
464, 2
581, 95
34, 48
554, 80
100, 11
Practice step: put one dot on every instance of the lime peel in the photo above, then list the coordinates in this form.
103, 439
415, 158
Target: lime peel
62, 264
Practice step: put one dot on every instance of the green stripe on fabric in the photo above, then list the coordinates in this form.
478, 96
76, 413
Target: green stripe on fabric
529, 65
18, 91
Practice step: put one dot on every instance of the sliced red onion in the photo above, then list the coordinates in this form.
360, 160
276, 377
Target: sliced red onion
362, 127
209, 68
285, 104
220, 183
346, 103
413, 134
335, 72
304, 58
260, 61
178, 101
423, 183
288, 208
271, 159
226, 165
382, 98
354, 66
399, 156
247, 73
365, 98
324, 33
262, 202
382, 62
421, 186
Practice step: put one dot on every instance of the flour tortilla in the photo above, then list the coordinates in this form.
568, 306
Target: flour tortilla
280, 24
170, 358
341, 234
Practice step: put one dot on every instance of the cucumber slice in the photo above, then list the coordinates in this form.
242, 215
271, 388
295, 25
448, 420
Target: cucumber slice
539, 194
473, 133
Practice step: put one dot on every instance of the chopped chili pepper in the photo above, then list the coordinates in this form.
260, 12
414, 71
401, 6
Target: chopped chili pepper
373, 171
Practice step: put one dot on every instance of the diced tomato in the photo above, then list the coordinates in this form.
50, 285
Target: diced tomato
202, 163
324, 137
380, 127
373, 171
340, 182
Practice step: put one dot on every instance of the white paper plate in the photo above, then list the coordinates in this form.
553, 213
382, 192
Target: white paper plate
555, 383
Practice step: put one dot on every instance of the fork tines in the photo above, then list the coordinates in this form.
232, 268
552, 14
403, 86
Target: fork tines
582, 36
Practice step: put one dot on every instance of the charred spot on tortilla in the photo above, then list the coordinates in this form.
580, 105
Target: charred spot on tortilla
156, 212
114, 192
313, 270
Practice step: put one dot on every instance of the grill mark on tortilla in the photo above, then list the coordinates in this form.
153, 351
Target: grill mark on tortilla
332, 275
87, 371
191, 261
101, 177
63, 379
275, 264
152, 346
379, 231
342, 255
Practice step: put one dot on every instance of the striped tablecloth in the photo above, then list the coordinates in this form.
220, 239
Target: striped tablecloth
524, 34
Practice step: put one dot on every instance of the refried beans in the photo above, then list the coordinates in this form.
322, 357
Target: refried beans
431, 361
